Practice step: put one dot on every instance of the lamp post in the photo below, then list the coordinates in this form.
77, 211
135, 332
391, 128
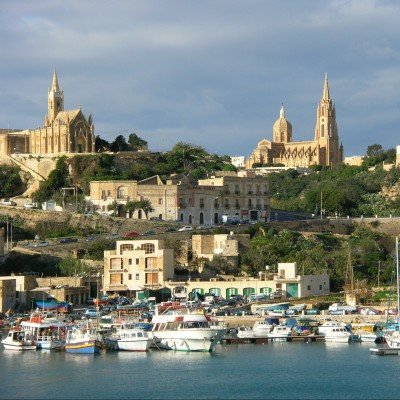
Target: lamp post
212, 210
266, 271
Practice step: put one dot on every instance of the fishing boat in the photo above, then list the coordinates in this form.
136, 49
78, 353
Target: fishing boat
16, 340
185, 332
129, 338
280, 333
83, 340
46, 333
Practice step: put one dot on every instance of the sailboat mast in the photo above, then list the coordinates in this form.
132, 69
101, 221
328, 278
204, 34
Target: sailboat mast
398, 284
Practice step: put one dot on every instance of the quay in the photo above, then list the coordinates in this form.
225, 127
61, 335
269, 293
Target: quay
384, 351
293, 338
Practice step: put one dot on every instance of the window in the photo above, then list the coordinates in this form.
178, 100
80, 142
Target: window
116, 279
320, 287
130, 277
201, 203
126, 247
148, 248
308, 287
103, 194
130, 261
151, 262
108, 192
137, 261
116, 263
160, 201
137, 277
122, 192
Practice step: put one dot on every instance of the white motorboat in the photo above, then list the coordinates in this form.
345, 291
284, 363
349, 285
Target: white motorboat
16, 340
328, 325
262, 329
185, 332
129, 338
245, 332
393, 339
280, 332
337, 334
46, 333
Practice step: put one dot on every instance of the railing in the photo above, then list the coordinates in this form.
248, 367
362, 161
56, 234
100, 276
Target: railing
237, 191
249, 192
227, 207
227, 191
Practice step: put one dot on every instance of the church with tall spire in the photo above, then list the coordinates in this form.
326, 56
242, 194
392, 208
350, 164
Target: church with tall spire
64, 131
324, 150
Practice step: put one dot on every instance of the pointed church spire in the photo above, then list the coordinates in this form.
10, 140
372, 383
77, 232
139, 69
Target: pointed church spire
54, 85
325, 93
282, 112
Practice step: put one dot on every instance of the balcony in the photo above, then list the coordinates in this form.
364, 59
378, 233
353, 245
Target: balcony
182, 205
227, 206
258, 193
227, 191
266, 207
250, 192
265, 193
258, 206
216, 206
201, 205
237, 206
237, 192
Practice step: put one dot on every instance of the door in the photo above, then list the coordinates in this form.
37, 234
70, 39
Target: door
230, 292
248, 291
292, 289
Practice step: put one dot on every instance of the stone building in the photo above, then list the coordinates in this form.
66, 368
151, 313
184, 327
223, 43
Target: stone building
287, 280
64, 131
243, 195
137, 265
7, 295
325, 149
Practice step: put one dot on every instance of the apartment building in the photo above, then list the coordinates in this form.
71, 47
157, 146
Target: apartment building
242, 195
137, 265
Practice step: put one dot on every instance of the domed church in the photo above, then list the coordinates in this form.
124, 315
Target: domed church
323, 150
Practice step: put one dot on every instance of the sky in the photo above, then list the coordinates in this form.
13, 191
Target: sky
212, 73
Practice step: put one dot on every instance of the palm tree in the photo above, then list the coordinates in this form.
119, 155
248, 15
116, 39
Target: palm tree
146, 206
131, 206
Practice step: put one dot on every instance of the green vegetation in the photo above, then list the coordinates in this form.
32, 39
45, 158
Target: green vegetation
184, 158
346, 190
72, 267
10, 181
364, 249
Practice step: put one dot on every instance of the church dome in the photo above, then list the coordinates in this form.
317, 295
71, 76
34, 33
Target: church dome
282, 128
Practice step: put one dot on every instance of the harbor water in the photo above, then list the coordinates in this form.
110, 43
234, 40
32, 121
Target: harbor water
245, 371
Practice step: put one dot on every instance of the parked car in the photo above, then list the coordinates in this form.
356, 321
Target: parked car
312, 311
41, 244
67, 240
92, 313
8, 202
186, 228
131, 234
30, 205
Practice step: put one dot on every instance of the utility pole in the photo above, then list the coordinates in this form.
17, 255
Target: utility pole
321, 206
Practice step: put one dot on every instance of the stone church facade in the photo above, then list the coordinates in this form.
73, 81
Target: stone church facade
324, 150
63, 131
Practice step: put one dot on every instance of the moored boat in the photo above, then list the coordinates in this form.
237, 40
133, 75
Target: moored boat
16, 340
129, 338
83, 340
185, 332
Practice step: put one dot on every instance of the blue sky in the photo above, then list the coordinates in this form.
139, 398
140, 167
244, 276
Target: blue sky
213, 73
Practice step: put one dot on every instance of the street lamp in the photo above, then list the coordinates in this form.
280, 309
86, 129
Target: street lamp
266, 271
212, 209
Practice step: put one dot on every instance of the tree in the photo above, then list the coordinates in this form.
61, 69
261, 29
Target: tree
136, 143
101, 145
131, 206
72, 267
146, 206
119, 144
374, 150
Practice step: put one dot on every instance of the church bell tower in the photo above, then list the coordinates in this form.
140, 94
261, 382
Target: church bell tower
55, 100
